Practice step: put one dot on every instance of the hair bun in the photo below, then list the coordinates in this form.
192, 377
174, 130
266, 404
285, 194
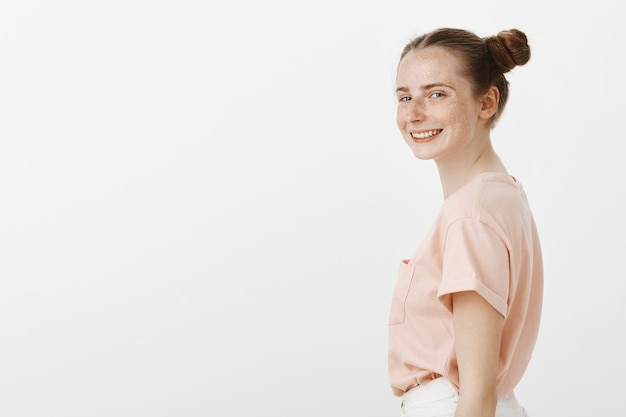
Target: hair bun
509, 48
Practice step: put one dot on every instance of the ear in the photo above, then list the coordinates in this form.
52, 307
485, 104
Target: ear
489, 103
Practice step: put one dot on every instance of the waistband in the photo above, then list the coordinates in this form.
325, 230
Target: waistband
429, 391
440, 389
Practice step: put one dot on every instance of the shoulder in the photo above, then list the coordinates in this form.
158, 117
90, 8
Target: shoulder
491, 198
487, 191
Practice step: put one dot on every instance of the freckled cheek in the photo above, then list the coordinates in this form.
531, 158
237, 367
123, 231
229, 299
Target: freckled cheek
400, 119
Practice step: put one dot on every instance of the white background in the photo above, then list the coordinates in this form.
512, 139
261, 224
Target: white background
202, 205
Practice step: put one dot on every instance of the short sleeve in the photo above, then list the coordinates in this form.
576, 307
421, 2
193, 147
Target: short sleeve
475, 259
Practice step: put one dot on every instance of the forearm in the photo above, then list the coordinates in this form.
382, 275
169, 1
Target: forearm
478, 330
476, 405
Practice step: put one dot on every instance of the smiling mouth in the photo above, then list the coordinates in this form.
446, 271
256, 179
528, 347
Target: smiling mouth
425, 136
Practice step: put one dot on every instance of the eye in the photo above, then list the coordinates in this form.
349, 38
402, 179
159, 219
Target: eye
437, 94
404, 99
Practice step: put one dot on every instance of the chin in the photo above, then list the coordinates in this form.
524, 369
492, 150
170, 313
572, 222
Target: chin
422, 156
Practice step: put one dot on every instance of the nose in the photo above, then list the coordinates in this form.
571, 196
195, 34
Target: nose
414, 111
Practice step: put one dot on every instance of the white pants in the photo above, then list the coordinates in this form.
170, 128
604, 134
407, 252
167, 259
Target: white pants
438, 398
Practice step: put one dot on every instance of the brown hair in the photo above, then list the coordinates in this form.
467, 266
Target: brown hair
485, 60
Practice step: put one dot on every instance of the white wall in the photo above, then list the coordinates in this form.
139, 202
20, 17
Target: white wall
203, 205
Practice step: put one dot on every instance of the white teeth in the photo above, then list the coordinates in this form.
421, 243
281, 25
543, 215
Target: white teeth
424, 135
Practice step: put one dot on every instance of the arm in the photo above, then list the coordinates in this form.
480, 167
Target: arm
478, 330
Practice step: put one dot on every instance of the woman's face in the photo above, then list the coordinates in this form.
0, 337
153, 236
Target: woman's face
438, 114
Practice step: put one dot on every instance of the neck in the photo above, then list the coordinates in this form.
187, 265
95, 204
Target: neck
454, 173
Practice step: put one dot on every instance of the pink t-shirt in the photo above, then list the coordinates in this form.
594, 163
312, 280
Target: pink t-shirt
483, 240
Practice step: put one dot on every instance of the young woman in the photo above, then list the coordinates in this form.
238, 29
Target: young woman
466, 308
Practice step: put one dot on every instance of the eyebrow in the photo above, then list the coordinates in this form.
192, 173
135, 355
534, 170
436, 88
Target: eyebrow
425, 87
